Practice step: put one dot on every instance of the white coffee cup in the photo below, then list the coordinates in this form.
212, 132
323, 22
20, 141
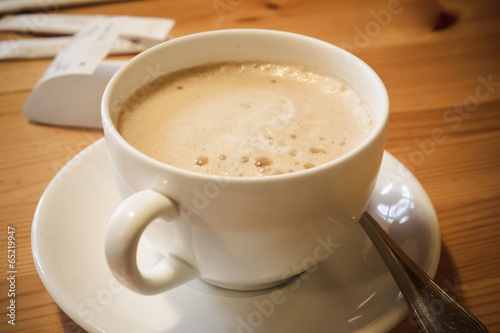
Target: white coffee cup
242, 233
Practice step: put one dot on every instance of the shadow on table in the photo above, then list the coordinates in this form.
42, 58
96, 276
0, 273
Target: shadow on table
69, 325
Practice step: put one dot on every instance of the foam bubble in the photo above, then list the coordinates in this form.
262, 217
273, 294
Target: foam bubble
316, 150
201, 160
262, 161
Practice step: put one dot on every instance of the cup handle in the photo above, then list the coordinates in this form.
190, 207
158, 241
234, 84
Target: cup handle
123, 233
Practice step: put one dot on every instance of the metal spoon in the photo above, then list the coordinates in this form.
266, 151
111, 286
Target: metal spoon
433, 309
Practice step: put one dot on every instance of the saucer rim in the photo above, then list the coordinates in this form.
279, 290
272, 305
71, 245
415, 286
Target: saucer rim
382, 323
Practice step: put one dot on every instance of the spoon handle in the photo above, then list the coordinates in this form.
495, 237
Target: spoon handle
433, 309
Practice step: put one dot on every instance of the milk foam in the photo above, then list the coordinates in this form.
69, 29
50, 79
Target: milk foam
246, 119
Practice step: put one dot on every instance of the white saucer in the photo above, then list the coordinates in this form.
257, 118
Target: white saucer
355, 295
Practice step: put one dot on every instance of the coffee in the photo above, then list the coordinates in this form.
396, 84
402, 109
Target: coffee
245, 119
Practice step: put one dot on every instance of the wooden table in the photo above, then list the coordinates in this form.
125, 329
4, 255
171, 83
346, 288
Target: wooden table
444, 87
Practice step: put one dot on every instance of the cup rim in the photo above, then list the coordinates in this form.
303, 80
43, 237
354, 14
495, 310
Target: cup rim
110, 129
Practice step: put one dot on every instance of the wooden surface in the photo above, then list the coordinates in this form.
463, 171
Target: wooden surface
436, 82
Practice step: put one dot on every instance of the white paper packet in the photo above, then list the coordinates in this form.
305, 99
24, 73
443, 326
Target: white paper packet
49, 47
147, 30
14, 6
70, 91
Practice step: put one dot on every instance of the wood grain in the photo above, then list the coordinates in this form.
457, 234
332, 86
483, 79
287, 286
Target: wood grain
444, 126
